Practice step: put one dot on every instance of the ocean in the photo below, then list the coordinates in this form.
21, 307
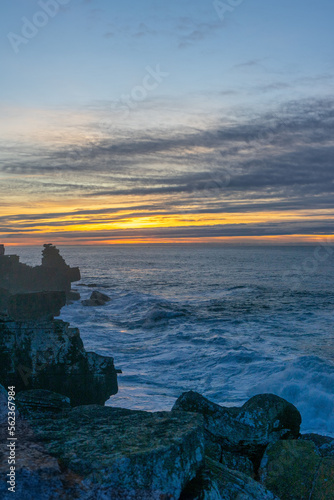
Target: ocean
228, 322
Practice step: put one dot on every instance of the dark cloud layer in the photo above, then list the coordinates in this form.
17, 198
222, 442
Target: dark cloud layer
279, 161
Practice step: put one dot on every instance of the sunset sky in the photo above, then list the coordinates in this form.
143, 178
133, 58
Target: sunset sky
179, 121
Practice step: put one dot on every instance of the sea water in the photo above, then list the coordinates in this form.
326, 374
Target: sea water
228, 322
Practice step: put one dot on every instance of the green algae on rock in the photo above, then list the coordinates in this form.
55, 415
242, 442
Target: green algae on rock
294, 470
124, 453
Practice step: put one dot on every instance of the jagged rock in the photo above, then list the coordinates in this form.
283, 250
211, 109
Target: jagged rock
294, 469
41, 400
50, 355
237, 462
324, 444
96, 299
121, 454
216, 482
73, 296
53, 275
245, 430
100, 296
202, 487
35, 306
234, 461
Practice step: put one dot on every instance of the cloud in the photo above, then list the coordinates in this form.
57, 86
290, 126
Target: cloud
144, 30
279, 161
249, 64
191, 31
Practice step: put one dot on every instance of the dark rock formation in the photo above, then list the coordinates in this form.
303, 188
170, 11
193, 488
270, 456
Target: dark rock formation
53, 275
216, 482
4, 299
294, 469
50, 355
95, 452
41, 400
96, 299
245, 431
35, 306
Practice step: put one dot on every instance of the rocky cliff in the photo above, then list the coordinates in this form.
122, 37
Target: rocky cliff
50, 355
52, 275
95, 452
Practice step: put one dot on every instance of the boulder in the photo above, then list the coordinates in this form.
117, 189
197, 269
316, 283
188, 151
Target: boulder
73, 296
216, 482
35, 306
294, 470
245, 430
96, 299
120, 454
50, 355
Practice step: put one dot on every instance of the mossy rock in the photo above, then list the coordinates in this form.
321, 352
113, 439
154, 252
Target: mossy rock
123, 453
294, 470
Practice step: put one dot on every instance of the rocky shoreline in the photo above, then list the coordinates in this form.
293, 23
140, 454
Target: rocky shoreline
69, 445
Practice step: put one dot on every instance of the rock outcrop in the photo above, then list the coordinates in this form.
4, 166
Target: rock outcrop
50, 355
243, 431
35, 306
95, 452
39, 401
216, 482
92, 452
52, 275
96, 299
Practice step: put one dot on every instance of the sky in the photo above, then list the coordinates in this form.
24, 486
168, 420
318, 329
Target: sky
166, 122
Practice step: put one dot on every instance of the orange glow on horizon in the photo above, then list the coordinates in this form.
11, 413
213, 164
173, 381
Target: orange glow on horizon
295, 239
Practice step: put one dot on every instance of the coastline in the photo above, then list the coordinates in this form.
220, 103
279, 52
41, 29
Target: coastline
65, 443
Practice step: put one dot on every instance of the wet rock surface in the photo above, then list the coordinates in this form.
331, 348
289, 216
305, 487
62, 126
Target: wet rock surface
96, 299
